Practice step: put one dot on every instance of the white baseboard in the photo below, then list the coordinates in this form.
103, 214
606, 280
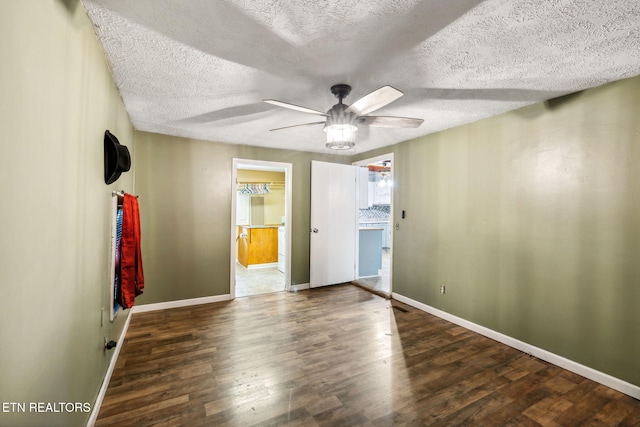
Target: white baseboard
265, 265
299, 287
179, 303
107, 376
587, 372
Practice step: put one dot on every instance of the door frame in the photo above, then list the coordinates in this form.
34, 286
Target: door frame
377, 159
288, 179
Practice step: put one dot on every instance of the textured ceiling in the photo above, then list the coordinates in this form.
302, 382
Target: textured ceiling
201, 68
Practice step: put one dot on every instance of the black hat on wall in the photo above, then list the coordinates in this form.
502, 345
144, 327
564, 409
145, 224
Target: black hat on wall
116, 158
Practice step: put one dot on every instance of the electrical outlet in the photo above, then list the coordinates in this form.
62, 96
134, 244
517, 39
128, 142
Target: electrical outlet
442, 289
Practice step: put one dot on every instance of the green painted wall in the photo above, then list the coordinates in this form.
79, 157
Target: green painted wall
185, 194
58, 98
531, 220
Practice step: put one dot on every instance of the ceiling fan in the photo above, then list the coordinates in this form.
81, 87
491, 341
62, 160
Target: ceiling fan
342, 120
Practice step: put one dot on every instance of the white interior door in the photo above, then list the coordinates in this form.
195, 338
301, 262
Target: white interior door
334, 224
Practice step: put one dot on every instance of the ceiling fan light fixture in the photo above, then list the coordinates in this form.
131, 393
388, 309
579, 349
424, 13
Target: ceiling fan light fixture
341, 136
341, 128
342, 121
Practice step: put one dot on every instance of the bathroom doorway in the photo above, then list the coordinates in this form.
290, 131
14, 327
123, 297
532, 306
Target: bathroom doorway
261, 212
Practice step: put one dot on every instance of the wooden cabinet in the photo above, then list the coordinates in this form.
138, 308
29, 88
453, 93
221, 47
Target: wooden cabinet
257, 245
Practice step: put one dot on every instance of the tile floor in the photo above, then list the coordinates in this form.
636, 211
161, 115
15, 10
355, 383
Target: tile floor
256, 281
382, 282
266, 280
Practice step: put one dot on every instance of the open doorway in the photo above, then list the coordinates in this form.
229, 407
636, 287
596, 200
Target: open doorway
375, 216
261, 212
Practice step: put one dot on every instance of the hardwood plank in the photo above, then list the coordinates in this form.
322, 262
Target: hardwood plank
139, 414
613, 413
337, 356
474, 413
546, 410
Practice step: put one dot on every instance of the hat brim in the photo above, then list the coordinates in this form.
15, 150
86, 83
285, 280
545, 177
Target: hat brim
116, 158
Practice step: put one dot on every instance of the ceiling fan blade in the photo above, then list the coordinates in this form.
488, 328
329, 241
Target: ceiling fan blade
376, 99
297, 126
390, 122
293, 107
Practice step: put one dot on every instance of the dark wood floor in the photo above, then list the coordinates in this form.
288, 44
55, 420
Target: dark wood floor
338, 356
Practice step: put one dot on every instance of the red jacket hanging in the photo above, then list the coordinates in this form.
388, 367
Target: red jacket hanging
131, 274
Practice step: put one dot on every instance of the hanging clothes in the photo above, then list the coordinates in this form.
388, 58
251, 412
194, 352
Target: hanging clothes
131, 274
116, 281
